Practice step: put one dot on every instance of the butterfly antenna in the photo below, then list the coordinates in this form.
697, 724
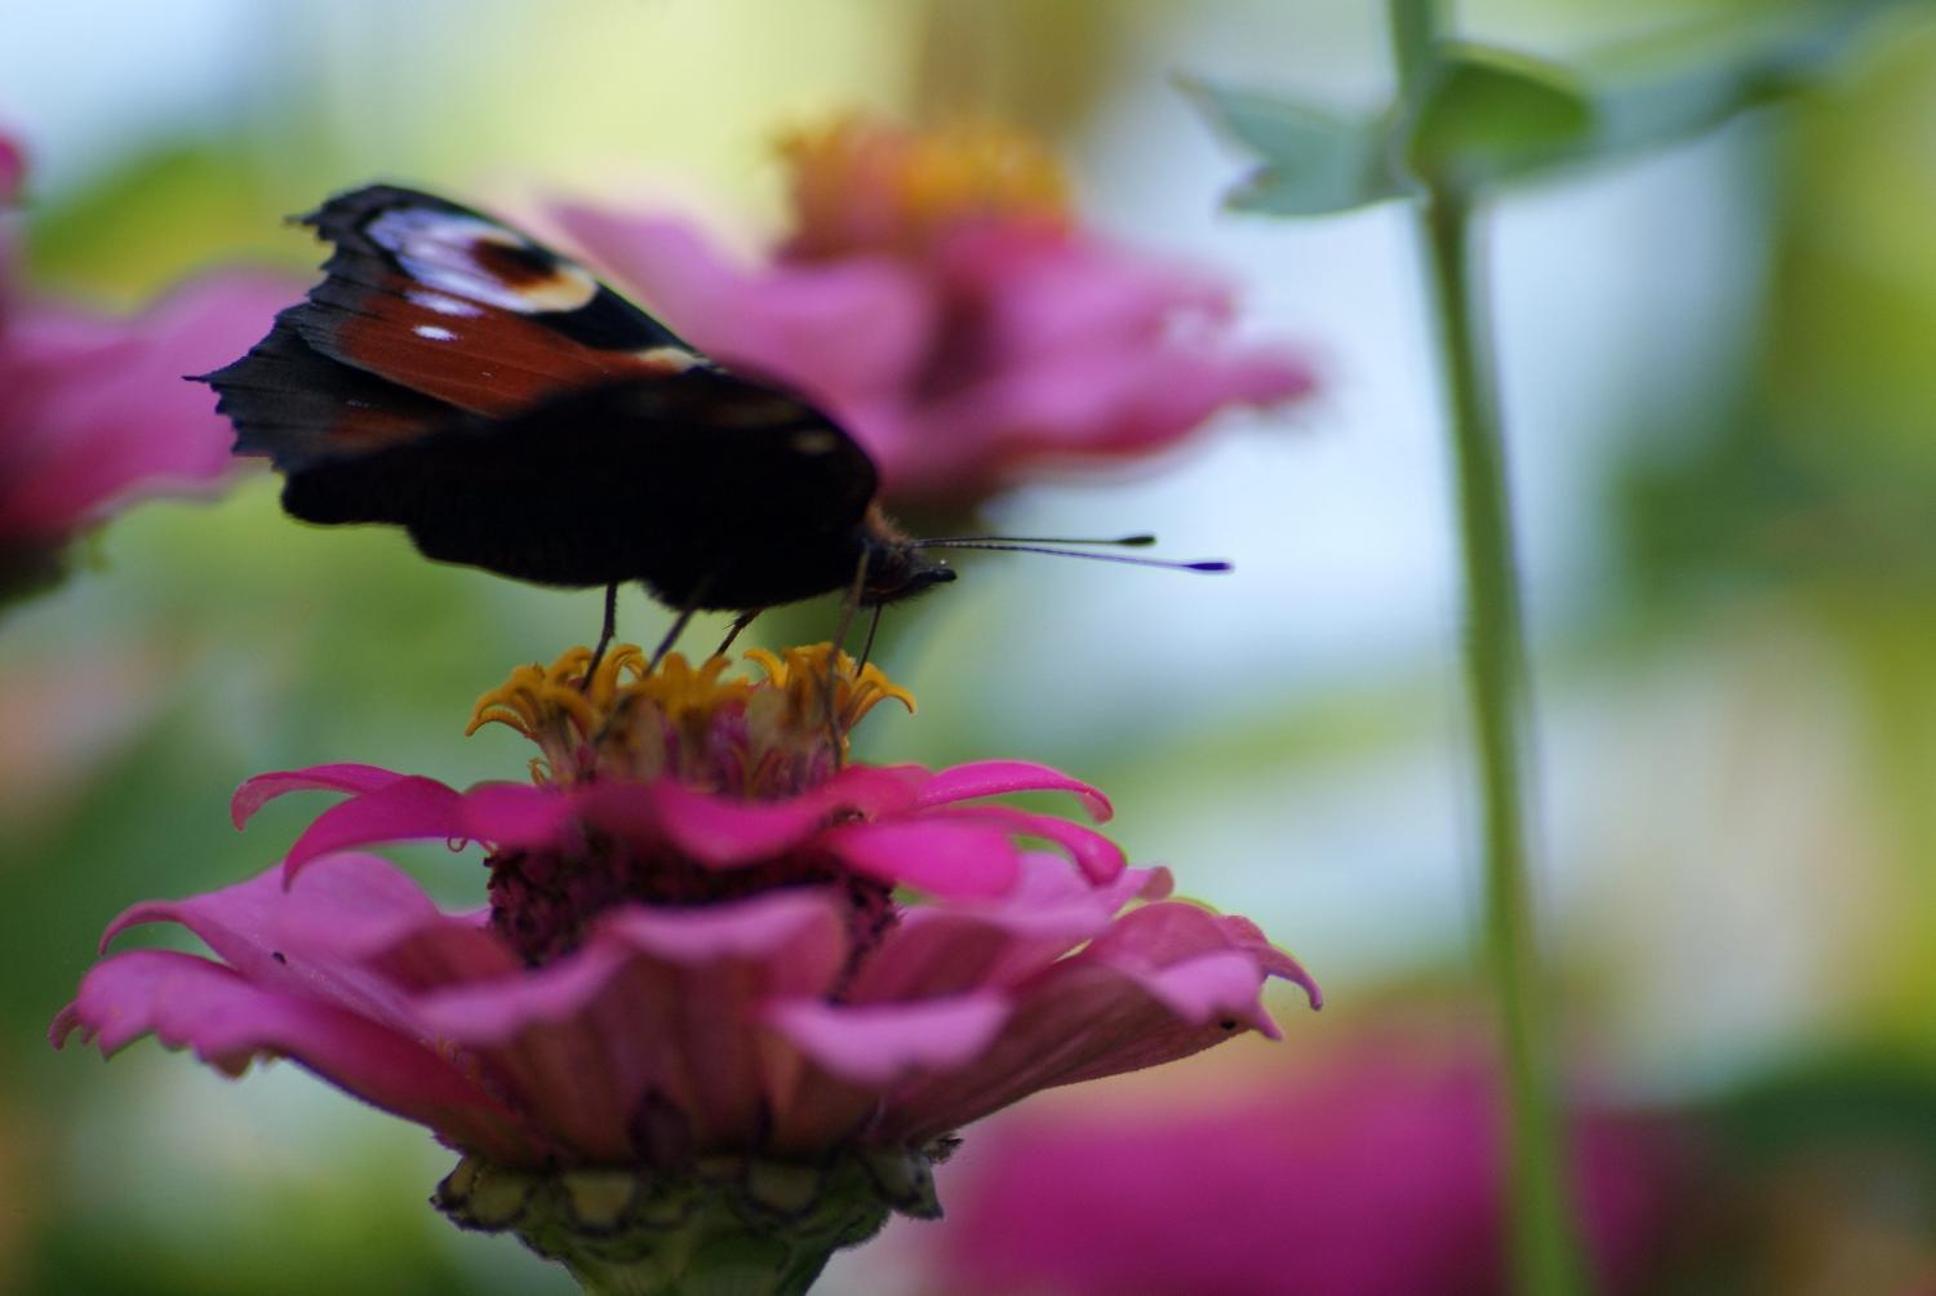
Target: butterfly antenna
1001, 545
1141, 540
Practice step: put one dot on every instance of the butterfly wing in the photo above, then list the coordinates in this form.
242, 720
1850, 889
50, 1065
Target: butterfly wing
454, 305
715, 491
428, 311
451, 376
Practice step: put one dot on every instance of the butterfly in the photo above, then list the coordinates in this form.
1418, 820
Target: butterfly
454, 377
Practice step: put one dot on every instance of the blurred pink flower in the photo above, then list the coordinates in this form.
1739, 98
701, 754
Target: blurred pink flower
13, 170
94, 412
937, 296
1371, 1174
672, 970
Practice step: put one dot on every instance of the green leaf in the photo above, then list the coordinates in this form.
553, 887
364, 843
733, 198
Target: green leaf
1672, 88
1314, 162
1493, 114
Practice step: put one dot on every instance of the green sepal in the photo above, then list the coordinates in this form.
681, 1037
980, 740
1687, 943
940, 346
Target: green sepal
719, 1226
1493, 114
1314, 162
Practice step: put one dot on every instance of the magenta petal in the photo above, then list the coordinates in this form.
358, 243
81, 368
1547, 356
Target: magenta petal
13, 168
264, 788
412, 808
244, 923
409, 809
941, 856
1001, 777
514, 814
841, 331
186, 1001
722, 831
1098, 857
660, 1004
800, 927
711, 828
877, 1045
321, 936
948, 949
1165, 981
97, 413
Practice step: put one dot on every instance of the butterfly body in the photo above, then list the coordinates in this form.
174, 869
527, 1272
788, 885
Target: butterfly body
457, 379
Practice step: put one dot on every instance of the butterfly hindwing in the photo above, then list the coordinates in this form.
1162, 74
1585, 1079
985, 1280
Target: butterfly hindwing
660, 479
295, 405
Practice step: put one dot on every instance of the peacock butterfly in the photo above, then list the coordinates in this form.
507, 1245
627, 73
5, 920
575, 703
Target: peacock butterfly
454, 377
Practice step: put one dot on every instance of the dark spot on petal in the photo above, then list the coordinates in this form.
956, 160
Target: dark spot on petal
277, 956
1228, 1023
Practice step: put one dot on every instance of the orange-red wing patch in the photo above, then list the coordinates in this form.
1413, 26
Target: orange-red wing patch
481, 358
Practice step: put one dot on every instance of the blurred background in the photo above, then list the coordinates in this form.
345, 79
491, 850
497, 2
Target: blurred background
1720, 373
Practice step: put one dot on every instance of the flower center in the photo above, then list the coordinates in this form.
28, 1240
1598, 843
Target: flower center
758, 739
743, 738
542, 901
862, 184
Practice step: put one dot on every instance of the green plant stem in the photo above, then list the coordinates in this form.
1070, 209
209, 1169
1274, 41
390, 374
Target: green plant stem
1546, 1253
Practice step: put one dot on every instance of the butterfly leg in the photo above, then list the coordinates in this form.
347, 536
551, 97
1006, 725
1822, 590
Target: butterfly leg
740, 623
678, 626
873, 628
848, 606
604, 635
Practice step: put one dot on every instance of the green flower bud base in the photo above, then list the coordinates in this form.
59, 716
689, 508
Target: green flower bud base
721, 1226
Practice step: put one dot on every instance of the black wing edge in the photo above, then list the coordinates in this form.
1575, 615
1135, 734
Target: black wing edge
291, 403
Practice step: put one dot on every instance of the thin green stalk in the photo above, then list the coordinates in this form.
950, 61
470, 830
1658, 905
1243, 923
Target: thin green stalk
1546, 1253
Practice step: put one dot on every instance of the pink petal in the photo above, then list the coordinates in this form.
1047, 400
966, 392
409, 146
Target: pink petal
1165, 981
659, 1006
186, 1001
940, 856
13, 170
1002, 777
1098, 857
417, 809
264, 788
952, 948
322, 936
877, 1045
96, 413
1049, 291
795, 934
723, 831
407, 809
840, 332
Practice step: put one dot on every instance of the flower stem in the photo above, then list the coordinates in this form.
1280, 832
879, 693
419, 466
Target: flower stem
1546, 1253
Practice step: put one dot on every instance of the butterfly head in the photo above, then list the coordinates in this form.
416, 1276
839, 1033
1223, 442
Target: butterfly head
896, 567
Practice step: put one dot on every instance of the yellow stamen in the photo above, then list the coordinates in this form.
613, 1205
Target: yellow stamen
626, 722
801, 674
861, 183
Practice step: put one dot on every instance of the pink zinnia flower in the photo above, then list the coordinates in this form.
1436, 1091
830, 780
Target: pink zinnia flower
704, 1009
93, 411
1372, 1173
938, 296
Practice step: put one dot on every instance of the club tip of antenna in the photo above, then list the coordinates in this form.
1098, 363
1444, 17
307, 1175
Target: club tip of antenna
1211, 565
1141, 540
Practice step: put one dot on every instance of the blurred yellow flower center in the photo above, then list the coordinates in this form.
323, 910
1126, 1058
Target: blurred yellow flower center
764, 736
864, 184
